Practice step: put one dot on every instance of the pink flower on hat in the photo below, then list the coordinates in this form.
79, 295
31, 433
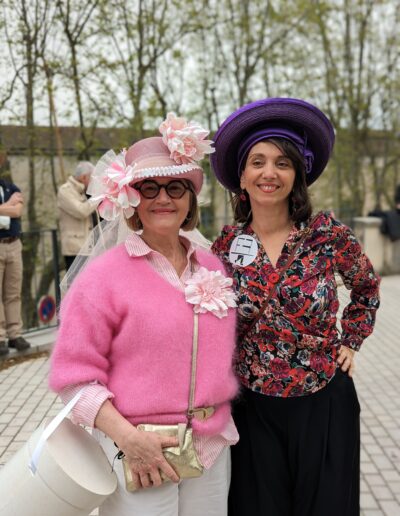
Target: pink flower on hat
185, 140
209, 291
110, 185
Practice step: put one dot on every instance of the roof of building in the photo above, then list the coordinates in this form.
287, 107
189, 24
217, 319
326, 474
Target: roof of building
14, 139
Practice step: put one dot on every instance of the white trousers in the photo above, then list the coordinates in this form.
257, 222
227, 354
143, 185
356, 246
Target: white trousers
205, 495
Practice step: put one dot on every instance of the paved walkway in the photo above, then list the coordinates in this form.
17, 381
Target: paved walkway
25, 401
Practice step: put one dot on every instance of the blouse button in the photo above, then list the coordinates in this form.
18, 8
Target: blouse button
273, 277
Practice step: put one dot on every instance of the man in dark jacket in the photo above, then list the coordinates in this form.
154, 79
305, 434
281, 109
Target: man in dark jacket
11, 205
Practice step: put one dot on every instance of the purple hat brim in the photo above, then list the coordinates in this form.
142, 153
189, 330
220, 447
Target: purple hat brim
295, 114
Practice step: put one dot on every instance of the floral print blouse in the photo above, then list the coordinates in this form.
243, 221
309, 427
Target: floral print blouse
292, 349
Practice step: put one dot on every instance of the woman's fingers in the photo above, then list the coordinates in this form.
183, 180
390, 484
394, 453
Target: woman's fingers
166, 442
346, 359
135, 478
168, 470
145, 480
345, 364
144, 452
155, 477
351, 368
149, 474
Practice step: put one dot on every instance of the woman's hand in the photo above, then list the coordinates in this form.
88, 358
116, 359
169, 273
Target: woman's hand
143, 451
346, 360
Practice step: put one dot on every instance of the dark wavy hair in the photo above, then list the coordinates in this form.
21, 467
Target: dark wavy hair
300, 207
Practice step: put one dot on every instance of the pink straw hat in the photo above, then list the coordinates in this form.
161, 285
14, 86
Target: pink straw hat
152, 158
174, 154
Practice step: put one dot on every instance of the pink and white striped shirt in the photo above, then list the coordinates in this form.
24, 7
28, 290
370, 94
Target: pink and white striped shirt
208, 447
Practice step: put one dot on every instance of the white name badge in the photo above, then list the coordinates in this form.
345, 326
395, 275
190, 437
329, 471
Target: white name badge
243, 250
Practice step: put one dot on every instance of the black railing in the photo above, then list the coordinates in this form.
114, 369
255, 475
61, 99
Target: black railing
41, 278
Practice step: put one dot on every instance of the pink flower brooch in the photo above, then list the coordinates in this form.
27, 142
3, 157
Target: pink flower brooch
209, 291
185, 140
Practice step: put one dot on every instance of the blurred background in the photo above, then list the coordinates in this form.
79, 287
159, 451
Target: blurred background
79, 78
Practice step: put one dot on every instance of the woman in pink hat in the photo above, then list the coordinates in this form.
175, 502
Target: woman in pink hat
147, 331
298, 414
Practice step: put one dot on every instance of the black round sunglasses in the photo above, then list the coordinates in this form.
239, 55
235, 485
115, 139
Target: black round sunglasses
150, 189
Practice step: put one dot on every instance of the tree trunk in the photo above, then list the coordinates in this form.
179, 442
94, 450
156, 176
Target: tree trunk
30, 247
84, 153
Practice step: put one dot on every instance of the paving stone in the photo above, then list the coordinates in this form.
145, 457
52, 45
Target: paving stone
374, 449
6, 418
367, 501
364, 455
387, 441
390, 508
367, 438
368, 467
382, 462
378, 431
390, 475
394, 487
382, 493
374, 480
364, 488
5, 440
15, 446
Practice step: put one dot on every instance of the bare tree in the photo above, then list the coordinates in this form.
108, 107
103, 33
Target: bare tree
353, 85
34, 19
384, 150
75, 17
147, 30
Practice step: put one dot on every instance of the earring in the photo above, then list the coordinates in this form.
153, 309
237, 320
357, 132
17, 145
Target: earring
242, 196
294, 204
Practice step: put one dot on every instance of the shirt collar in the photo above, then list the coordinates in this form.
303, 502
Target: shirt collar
77, 184
136, 247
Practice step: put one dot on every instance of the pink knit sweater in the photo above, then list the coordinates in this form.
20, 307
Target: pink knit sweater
126, 327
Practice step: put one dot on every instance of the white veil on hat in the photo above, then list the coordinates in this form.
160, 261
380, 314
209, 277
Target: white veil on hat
108, 234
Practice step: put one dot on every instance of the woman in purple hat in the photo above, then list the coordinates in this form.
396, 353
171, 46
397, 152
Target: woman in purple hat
298, 415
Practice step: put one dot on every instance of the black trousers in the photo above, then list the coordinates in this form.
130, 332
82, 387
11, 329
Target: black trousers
297, 456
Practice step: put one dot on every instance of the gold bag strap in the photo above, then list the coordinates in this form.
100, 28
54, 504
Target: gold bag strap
190, 412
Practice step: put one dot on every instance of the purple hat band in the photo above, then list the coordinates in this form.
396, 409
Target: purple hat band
274, 132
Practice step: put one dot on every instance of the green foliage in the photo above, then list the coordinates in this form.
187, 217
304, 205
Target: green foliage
138, 59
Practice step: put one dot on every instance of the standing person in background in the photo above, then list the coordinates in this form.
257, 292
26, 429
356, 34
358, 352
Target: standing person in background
11, 206
391, 219
298, 419
75, 212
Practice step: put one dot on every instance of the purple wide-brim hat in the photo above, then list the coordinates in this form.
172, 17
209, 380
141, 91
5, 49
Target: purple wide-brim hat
285, 114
